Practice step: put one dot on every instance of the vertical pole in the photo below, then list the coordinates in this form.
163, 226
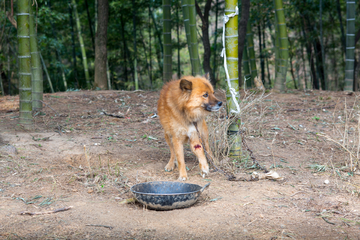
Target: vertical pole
25, 91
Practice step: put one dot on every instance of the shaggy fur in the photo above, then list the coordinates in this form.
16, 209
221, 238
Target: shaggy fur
182, 103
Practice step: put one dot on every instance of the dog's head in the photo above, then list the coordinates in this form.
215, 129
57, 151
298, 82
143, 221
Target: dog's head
201, 98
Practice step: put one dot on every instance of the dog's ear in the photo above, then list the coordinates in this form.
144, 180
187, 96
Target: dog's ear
207, 76
185, 85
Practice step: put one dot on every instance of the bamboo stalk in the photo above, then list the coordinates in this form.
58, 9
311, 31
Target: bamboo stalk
350, 45
25, 90
36, 70
231, 48
283, 46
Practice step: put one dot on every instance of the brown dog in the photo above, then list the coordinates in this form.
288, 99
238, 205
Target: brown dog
182, 103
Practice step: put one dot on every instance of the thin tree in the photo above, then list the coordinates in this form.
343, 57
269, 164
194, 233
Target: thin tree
150, 60
135, 50
73, 44
82, 46
167, 65
232, 91
350, 45
193, 39
262, 62
47, 73
36, 70
325, 81
57, 51
178, 39
251, 52
245, 13
215, 40
246, 68
205, 38
25, 90
343, 41
100, 80
185, 10
283, 46
90, 25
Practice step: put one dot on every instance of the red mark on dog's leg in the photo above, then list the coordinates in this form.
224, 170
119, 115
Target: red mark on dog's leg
197, 146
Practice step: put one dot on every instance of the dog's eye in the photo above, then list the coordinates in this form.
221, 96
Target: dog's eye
205, 95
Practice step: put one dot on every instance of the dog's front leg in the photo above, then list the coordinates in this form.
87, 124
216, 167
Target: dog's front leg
179, 152
198, 150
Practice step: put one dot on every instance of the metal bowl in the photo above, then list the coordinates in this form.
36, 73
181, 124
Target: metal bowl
162, 195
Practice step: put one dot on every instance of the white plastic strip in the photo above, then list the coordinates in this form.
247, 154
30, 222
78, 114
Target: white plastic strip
223, 54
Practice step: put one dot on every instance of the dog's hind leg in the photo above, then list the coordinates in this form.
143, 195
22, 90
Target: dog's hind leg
171, 164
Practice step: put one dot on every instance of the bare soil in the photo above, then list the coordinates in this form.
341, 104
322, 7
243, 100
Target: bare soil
78, 156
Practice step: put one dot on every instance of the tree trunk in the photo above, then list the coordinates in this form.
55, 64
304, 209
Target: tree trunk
100, 80
83, 51
122, 32
193, 39
343, 41
23, 34
247, 72
245, 13
325, 86
231, 50
185, 10
178, 41
47, 73
206, 40
262, 64
167, 65
135, 50
283, 46
73, 44
251, 52
150, 59
36, 70
215, 41
90, 25
350, 45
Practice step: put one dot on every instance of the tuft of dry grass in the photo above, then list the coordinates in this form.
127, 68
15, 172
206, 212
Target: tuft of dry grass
250, 117
346, 133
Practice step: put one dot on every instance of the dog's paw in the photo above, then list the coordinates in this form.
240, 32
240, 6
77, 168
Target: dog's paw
169, 168
182, 178
204, 170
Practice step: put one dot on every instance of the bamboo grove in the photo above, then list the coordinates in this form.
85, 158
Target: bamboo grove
287, 44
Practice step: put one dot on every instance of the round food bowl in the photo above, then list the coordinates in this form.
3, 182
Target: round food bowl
162, 195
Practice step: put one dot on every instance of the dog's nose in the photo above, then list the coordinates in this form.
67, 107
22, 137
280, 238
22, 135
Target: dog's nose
219, 103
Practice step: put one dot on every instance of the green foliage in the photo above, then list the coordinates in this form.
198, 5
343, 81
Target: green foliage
301, 17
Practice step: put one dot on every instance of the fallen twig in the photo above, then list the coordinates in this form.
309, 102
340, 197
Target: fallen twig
112, 115
48, 212
98, 225
327, 221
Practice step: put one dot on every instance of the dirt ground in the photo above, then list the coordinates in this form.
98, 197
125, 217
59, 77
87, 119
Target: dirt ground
49, 168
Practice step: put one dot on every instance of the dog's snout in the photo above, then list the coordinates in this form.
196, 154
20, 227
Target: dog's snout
219, 103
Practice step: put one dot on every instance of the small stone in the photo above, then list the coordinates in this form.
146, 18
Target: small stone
326, 181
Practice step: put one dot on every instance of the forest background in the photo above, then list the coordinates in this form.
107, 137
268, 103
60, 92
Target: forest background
316, 33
